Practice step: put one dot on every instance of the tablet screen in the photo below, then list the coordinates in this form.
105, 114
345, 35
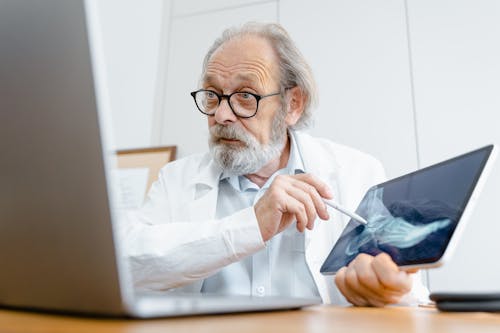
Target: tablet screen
413, 217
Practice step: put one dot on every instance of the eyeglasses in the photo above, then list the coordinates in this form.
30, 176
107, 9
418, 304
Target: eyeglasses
243, 104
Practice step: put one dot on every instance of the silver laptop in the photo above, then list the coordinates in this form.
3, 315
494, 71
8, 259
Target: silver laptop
57, 247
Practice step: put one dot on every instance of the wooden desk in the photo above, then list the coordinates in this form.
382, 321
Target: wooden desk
313, 319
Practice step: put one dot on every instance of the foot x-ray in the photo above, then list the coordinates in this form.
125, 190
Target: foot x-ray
412, 218
401, 226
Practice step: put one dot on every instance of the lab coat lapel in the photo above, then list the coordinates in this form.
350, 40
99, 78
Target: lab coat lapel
203, 208
319, 241
205, 191
327, 169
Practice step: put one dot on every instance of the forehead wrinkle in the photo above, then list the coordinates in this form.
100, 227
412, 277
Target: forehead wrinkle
244, 71
209, 79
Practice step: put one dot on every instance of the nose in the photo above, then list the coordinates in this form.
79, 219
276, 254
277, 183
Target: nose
224, 114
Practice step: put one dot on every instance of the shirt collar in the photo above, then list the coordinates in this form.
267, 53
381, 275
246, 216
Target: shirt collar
294, 166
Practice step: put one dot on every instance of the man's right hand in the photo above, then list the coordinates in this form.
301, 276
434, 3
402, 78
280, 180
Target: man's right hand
292, 198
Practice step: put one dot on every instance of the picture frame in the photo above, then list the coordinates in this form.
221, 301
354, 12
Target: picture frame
153, 159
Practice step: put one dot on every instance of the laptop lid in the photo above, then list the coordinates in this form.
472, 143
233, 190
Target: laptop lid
57, 246
56, 240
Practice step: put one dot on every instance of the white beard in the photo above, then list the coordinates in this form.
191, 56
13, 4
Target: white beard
250, 158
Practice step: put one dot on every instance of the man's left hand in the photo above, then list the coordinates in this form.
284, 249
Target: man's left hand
373, 281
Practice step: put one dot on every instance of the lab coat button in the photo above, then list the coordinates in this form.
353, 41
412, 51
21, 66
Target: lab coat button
261, 291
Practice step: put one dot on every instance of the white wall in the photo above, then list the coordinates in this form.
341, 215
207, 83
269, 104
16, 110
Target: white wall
359, 54
409, 81
131, 34
456, 65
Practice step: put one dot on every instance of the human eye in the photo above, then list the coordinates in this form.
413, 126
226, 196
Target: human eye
245, 100
245, 95
210, 94
209, 99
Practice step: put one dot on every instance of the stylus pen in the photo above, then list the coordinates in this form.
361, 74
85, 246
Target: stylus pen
347, 212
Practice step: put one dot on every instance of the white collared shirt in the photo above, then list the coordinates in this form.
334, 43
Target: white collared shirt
278, 269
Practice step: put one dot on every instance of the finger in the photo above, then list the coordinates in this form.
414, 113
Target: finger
411, 270
307, 183
351, 296
320, 186
319, 206
369, 284
355, 288
297, 209
307, 202
286, 204
389, 274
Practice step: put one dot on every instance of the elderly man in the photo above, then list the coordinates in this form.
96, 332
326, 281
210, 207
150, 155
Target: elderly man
245, 217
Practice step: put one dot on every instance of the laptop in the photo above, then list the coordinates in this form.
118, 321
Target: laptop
58, 251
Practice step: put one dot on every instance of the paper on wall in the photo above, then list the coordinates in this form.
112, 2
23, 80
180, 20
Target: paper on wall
131, 185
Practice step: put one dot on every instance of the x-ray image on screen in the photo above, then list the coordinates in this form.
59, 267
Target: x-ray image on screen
413, 217
399, 227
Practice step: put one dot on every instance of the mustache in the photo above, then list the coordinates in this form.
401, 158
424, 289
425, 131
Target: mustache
227, 132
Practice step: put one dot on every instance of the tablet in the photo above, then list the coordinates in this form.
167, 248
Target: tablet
416, 218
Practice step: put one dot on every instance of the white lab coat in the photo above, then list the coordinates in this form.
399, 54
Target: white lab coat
174, 240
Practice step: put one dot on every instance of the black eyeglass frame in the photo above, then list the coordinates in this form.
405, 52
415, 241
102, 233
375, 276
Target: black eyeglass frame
228, 98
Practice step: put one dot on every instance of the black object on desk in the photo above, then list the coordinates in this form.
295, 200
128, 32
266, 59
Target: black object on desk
467, 302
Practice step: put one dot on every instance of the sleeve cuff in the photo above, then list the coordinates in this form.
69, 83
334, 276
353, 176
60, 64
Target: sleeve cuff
243, 236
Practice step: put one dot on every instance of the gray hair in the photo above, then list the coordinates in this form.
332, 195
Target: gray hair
294, 70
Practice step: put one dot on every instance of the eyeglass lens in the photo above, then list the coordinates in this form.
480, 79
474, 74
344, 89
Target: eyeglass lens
243, 104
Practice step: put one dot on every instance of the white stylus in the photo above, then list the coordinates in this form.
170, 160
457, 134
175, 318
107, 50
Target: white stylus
341, 209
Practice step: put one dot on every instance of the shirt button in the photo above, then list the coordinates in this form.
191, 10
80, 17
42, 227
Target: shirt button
261, 291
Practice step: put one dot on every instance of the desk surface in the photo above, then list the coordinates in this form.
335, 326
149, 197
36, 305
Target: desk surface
312, 319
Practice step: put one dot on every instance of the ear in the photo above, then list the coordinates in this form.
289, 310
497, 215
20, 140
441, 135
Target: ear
295, 105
